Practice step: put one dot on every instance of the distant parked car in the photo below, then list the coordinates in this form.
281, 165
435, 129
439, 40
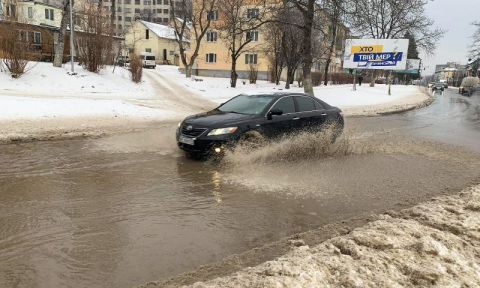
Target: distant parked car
148, 60
468, 86
381, 80
438, 86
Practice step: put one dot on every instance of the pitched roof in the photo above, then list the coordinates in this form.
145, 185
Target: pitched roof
160, 30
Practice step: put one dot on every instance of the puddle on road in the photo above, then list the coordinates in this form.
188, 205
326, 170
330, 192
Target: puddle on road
125, 210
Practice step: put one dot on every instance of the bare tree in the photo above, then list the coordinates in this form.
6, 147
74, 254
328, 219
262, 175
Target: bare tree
94, 45
188, 18
273, 50
307, 9
292, 43
475, 47
334, 12
390, 19
60, 43
237, 27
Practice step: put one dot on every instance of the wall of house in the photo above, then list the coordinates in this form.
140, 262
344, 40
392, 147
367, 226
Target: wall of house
38, 14
135, 39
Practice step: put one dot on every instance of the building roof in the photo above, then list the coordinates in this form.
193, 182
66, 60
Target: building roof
160, 30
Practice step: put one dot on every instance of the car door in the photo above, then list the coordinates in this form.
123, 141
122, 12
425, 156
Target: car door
310, 112
280, 124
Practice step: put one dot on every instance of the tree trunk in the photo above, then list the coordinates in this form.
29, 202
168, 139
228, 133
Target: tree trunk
58, 58
233, 73
290, 76
325, 73
188, 71
307, 48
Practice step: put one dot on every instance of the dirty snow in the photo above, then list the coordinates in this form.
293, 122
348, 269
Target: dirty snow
436, 244
366, 100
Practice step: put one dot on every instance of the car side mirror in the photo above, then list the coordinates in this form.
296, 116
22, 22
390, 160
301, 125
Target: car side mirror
272, 112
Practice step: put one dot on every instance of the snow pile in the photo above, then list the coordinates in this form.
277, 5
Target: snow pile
44, 80
433, 244
15, 108
365, 100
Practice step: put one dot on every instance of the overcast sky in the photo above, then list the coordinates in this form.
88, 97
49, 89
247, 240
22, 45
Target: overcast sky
455, 17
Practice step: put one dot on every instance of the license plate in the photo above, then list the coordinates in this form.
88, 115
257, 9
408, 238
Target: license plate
186, 140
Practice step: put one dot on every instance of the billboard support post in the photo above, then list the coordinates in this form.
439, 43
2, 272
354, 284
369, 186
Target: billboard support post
354, 79
389, 82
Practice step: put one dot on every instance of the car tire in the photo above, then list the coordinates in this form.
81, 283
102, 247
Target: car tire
252, 139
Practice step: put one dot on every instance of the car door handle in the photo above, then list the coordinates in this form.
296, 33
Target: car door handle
323, 114
296, 118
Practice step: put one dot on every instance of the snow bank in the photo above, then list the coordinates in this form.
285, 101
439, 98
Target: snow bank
12, 108
433, 244
365, 100
42, 79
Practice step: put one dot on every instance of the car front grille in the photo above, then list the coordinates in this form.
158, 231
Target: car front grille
193, 132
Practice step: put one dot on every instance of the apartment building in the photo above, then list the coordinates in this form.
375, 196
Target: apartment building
126, 12
214, 58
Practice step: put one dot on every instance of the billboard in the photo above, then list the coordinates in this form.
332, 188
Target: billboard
383, 54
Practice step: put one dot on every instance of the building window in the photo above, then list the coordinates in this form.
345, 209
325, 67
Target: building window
252, 35
49, 14
147, 34
147, 2
119, 27
165, 2
127, 10
165, 20
37, 38
149, 50
159, 10
137, 10
250, 58
211, 36
252, 13
212, 15
211, 58
30, 12
119, 18
119, 1
11, 10
119, 9
172, 52
127, 2
165, 11
128, 19
137, 2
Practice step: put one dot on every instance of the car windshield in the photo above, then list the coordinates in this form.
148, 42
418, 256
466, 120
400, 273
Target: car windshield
150, 57
247, 104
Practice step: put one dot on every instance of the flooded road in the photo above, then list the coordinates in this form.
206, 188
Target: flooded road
128, 209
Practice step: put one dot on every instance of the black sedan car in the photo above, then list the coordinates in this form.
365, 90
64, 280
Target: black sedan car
268, 115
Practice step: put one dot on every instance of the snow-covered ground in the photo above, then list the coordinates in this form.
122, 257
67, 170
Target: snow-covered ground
44, 80
365, 100
436, 244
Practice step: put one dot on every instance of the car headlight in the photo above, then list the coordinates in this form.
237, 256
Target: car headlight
179, 124
222, 131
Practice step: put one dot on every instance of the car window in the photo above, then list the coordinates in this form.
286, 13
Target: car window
285, 104
150, 57
247, 104
319, 106
305, 104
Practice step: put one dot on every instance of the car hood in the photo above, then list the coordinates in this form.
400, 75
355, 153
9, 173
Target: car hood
217, 118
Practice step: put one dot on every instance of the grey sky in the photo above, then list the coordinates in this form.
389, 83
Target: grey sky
455, 17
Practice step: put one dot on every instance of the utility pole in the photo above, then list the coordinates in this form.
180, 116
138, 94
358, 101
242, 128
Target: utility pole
72, 28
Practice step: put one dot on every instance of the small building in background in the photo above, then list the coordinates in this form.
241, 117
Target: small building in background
154, 38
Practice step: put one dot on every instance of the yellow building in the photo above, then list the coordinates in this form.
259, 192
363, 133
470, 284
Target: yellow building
154, 38
214, 59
